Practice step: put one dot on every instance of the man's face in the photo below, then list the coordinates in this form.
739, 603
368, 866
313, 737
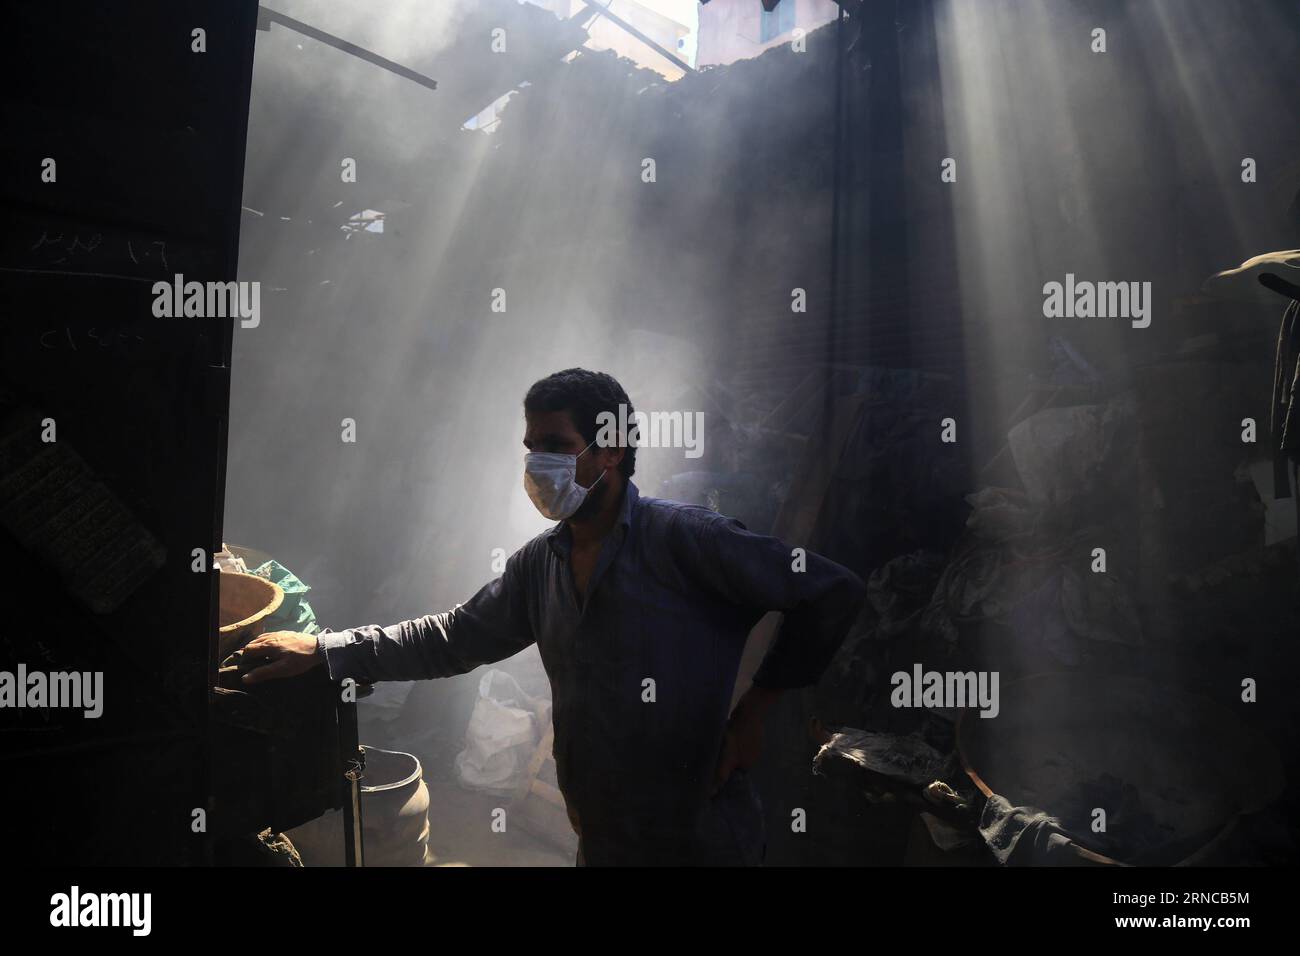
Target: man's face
555, 432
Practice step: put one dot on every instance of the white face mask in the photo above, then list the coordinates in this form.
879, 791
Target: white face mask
551, 483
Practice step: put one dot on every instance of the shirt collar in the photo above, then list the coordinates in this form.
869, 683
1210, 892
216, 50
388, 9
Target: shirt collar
559, 538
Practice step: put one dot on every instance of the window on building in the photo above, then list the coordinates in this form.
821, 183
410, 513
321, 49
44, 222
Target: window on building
780, 21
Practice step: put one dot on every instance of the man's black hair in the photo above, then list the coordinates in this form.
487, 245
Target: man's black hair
584, 395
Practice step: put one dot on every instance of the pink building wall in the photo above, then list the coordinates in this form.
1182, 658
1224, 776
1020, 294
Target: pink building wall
731, 30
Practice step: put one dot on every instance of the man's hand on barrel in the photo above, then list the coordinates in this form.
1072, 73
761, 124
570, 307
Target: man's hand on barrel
276, 655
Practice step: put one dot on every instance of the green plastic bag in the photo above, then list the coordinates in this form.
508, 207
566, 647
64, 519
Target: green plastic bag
294, 613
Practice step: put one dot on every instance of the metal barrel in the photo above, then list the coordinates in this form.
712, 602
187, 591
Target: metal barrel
394, 816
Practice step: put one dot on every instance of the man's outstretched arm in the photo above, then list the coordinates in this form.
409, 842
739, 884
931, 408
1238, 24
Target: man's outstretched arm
489, 627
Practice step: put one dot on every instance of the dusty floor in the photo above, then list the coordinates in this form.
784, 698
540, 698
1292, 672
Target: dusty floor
460, 832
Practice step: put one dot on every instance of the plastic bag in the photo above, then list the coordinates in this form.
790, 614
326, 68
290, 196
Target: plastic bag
501, 736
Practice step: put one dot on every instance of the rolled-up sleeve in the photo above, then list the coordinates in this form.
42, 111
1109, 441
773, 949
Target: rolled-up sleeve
819, 598
489, 627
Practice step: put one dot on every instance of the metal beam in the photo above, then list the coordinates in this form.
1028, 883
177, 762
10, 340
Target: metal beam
266, 16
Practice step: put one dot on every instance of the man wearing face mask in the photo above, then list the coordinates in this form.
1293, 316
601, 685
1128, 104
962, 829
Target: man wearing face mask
640, 608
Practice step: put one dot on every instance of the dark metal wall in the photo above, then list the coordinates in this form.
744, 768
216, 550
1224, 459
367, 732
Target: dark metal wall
97, 528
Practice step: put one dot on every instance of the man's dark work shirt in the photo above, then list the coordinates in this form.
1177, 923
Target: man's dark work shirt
642, 671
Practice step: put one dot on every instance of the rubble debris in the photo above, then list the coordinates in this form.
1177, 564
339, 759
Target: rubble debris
1025, 835
900, 590
905, 759
1064, 453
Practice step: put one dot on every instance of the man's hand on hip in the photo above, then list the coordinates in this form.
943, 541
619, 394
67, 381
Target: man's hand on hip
278, 654
743, 741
